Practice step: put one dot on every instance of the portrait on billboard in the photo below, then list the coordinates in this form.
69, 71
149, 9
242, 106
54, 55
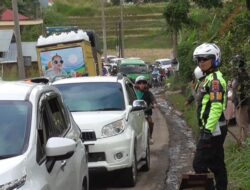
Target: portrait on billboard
63, 62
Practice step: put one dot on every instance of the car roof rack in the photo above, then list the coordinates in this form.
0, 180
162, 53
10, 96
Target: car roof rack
43, 80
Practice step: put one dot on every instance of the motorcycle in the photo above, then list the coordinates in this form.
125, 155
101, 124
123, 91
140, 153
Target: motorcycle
156, 80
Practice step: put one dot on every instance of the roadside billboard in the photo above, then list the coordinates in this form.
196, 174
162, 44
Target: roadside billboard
66, 61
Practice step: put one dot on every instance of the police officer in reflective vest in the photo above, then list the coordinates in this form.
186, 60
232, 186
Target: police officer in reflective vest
210, 152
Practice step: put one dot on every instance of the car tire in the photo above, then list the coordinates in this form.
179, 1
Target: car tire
130, 174
146, 166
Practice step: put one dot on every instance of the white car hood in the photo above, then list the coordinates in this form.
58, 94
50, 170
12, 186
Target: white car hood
96, 120
12, 169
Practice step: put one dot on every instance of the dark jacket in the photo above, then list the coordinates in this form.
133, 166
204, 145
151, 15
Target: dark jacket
241, 88
148, 97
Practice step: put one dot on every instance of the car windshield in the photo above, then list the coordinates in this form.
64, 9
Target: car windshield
14, 125
169, 62
133, 69
93, 96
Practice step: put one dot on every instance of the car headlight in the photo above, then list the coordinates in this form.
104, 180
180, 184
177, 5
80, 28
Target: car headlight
112, 129
15, 184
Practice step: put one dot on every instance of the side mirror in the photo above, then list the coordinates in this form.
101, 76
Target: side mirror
139, 105
60, 148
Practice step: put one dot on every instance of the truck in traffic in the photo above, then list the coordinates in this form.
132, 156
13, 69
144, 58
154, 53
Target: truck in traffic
69, 54
134, 67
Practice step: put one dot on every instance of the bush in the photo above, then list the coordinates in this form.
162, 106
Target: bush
82, 11
53, 18
185, 52
115, 2
31, 33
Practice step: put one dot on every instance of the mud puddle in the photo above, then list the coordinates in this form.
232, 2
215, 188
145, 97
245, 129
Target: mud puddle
182, 145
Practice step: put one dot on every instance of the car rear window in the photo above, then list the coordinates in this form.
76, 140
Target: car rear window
93, 96
166, 62
133, 69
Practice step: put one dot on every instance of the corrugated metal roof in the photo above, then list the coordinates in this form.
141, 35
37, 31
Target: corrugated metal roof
28, 49
5, 39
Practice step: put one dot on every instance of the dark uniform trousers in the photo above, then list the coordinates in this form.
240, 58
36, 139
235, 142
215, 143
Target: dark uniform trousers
210, 155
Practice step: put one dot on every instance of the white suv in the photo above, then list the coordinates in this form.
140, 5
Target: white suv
168, 64
112, 121
40, 144
165, 63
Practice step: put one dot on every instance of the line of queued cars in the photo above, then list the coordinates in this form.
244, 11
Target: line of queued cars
52, 136
132, 67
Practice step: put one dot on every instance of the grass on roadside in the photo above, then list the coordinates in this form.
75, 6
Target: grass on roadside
238, 164
178, 102
189, 112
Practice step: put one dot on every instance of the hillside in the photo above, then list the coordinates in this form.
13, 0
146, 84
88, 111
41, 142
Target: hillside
144, 26
137, 29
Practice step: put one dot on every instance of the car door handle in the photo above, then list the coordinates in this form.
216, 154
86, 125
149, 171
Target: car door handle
63, 164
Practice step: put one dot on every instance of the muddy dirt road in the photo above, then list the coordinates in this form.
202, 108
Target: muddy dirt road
155, 178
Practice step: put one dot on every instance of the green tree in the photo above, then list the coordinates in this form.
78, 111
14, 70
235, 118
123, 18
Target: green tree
6, 4
176, 15
53, 18
115, 2
248, 4
27, 7
208, 3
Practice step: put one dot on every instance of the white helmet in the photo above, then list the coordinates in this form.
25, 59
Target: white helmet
198, 73
208, 50
140, 78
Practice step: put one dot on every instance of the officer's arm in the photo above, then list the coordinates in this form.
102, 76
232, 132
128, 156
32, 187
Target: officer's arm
216, 96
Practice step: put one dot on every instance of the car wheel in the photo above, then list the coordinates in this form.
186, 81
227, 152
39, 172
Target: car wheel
130, 174
146, 166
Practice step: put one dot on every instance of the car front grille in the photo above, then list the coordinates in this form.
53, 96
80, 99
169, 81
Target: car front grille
88, 136
96, 157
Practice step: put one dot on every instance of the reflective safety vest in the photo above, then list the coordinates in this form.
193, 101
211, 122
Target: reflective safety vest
213, 101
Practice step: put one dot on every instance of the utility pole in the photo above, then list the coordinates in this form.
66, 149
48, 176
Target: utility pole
122, 33
20, 61
117, 45
104, 36
120, 39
